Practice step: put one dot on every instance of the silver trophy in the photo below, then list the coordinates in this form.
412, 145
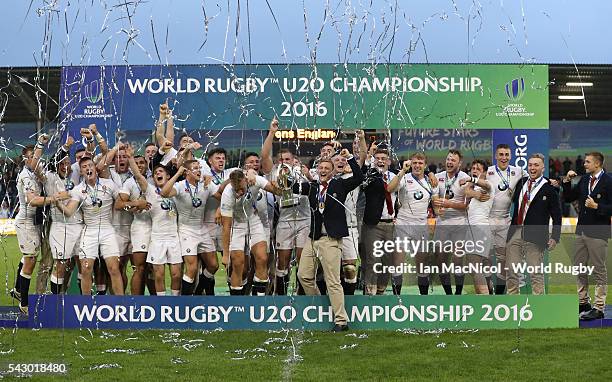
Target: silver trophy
286, 178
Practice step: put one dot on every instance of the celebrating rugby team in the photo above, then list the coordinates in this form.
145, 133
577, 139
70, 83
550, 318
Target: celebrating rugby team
169, 211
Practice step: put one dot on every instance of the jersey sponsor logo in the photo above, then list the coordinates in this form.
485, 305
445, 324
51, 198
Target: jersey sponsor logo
492, 173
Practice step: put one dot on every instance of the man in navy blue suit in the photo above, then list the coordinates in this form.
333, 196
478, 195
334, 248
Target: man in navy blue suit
594, 193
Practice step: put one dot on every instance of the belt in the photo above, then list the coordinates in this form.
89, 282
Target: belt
385, 221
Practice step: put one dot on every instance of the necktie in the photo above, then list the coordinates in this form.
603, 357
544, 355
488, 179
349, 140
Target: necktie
521, 216
388, 200
593, 179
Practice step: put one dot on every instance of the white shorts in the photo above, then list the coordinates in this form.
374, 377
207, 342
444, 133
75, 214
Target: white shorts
215, 244
243, 234
452, 230
191, 240
64, 240
482, 238
123, 239
28, 237
164, 252
292, 234
141, 236
411, 230
98, 241
350, 244
499, 229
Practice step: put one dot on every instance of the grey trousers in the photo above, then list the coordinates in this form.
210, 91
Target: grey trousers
376, 283
591, 251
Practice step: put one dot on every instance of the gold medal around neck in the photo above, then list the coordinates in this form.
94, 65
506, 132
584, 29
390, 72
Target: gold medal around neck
321, 205
171, 213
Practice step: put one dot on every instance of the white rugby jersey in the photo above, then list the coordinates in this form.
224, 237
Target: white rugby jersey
132, 189
121, 217
96, 202
414, 196
217, 178
27, 182
191, 202
54, 184
298, 212
243, 208
478, 212
455, 193
504, 183
163, 215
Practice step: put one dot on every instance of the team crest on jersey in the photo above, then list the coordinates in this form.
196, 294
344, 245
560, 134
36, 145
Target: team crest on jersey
512, 172
188, 250
491, 173
143, 246
259, 196
441, 179
543, 197
409, 182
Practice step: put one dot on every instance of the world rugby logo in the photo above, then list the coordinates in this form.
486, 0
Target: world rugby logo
94, 92
515, 89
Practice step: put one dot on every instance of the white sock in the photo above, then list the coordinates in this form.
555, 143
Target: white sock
161, 293
175, 292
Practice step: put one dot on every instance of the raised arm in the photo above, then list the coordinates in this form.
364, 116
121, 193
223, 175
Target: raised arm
363, 147
89, 139
168, 190
357, 178
160, 135
395, 182
570, 193
101, 141
41, 201
267, 164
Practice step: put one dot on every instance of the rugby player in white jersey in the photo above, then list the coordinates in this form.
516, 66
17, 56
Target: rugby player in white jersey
242, 229
451, 223
293, 224
140, 229
29, 193
89, 135
503, 179
265, 211
164, 248
119, 173
65, 232
96, 197
350, 243
415, 192
190, 196
215, 168
479, 231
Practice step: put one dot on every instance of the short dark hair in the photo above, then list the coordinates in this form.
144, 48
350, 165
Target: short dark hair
188, 163
502, 146
84, 159
138, 156
27, 149
382, 151
456, 152
216, 150
480, 162
184, 135
328, 144
251, 154
150, 144
79, 150
597, 156
285, 150
419, 155
161, 166
235, 177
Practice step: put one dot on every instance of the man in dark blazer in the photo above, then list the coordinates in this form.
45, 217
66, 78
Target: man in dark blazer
535, 202
378, 221
327, 228
594, 194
